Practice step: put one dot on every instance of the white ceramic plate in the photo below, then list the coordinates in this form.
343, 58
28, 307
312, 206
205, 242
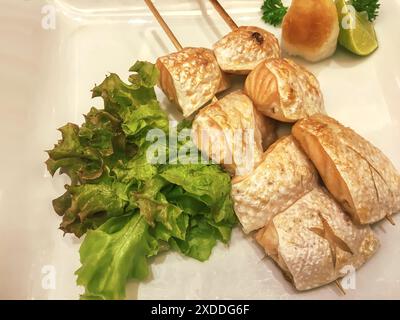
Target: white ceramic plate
45, 81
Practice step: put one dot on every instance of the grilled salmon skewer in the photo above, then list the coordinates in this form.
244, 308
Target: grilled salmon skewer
189, 77
283, 90
233, 133
214, 124
300, 225
244, 47
359, 175
314, 241
282, 177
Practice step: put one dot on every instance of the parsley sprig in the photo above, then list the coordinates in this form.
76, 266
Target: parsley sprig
273, 12
371, 7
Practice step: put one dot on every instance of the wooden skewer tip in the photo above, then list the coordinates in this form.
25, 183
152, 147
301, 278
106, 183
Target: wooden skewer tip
222, 12
163, 24
339, 285
390, 219
167, 29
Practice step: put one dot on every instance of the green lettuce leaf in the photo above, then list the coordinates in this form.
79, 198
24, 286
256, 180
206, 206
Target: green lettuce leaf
135, 103
114, 253
138, 121
203, 191
207, 183
129, 206
200, 239
146, 74
79, 162
154, 206
135, 170
119, 97
86, 206
100, 131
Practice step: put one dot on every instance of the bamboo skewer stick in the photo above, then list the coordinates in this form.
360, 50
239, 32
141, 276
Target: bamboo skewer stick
167, 30
338, 284
163, 25
222, 12
390, 219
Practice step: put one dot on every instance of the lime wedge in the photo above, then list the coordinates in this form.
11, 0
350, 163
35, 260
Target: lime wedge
357, 34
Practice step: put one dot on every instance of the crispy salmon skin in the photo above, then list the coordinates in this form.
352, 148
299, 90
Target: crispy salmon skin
314, 242
359, 175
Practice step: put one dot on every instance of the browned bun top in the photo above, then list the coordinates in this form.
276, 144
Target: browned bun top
309, 23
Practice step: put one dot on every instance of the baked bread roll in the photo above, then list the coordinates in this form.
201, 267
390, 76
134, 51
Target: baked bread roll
310, 29
314, 242
241, 50
359, 175
284, 176
283, 90
233, 133
190, 78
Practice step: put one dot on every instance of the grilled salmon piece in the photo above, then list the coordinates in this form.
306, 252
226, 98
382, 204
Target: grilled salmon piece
233, 133
283, 90
315, 242
283, 176
241, 50
190, 78
359, 175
